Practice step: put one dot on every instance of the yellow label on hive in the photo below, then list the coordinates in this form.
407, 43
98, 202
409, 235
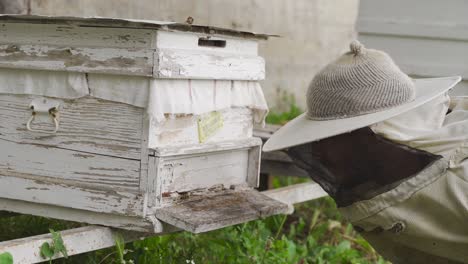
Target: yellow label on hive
208, 125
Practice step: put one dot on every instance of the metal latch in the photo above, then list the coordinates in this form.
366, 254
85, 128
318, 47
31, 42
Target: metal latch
43, 108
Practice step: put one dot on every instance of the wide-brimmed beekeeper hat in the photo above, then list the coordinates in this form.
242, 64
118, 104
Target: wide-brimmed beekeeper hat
361, 88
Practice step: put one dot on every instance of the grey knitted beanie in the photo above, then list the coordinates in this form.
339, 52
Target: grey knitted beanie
361, 81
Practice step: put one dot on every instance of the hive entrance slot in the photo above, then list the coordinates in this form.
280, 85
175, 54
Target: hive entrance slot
206, 42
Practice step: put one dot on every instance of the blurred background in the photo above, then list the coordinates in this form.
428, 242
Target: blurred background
425, 38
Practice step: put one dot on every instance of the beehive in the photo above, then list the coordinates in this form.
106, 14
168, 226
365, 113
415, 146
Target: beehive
130, 123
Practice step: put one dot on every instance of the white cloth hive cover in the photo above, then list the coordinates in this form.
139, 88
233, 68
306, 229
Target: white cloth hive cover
67, 85
202, 96
159, 96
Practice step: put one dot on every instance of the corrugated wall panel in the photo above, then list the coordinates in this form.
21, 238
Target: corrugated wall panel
425, 37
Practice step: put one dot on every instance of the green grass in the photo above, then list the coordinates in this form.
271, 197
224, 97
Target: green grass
314, 233
283, 117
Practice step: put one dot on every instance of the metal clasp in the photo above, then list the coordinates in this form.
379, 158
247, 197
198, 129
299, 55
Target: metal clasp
44, 108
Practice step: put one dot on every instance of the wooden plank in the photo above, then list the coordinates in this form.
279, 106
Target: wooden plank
208, 147
153, 185
253, 168
190, 41
86, 124
67, 166
297, 193
183, 129
145, 158
221, 209
184, 174
112, 201
127, 61
77, 241
124, 23
189, 64
82, 216
74, 35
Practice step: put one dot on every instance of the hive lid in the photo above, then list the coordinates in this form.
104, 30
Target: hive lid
128, 23
222, 209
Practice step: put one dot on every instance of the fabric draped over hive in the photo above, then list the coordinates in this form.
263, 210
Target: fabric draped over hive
161, 97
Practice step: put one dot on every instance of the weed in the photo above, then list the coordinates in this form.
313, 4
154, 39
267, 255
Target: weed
6, 258
49, 250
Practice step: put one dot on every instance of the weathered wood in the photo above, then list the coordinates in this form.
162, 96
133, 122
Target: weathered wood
253, 168
74, 35
129, 24
189, 64
47, 192
210, 212
130, 61
145, 158
208, 147
182, 56
67, 166
128, 52
153, 185
297, 193
139, 224
196, 170
77, 241
98, 168
86, 124
190, 41
183, 130
188, 173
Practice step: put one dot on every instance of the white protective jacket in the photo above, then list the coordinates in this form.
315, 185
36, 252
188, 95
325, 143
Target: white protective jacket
425, 218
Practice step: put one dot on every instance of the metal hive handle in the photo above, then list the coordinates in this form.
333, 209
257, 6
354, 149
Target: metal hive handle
45, 107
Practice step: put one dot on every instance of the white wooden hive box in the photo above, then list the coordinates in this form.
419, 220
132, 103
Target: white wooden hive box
125, 123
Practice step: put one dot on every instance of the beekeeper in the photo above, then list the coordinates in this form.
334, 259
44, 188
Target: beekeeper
391, 151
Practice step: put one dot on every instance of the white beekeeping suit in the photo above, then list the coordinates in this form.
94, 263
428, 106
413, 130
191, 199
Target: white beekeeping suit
425, 217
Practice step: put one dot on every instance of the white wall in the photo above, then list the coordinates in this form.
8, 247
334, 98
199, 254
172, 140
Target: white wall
313, 32
426, 38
